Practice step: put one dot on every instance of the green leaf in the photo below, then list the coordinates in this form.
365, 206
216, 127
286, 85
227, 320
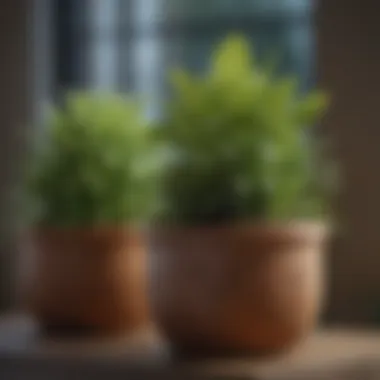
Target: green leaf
238, 144
232, 60
98, 165
312, 107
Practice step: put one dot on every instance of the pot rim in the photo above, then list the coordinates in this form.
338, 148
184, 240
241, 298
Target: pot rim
282, 232
102, 228
87, 233
264, 226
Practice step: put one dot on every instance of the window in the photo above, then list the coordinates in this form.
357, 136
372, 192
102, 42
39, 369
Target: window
128, 44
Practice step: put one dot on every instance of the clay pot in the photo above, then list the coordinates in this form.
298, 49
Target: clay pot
87, 278
240, 288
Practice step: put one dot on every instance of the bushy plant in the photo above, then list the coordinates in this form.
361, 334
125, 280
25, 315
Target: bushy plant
97, 164
241, 143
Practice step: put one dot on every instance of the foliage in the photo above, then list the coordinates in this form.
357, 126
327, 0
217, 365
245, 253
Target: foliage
98, 164
241, 144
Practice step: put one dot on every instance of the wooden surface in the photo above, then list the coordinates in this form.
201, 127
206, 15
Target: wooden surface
26, 354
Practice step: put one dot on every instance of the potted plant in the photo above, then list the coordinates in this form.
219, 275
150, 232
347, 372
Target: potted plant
92, 185
238, 261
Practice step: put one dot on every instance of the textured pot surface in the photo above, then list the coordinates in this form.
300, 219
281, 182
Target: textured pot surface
87, 278
238, 288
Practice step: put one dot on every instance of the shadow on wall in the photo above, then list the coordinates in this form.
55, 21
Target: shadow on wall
15, 116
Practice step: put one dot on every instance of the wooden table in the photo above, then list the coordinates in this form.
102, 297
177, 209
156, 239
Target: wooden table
335, 354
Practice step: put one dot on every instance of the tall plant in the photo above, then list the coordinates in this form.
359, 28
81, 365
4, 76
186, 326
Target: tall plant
241, 142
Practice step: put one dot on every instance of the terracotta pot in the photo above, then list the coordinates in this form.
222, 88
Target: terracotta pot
239, 288
87, 278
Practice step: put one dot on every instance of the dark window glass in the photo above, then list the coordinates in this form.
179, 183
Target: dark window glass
129, 44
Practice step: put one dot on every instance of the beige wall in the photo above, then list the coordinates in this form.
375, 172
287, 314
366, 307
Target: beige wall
349, 63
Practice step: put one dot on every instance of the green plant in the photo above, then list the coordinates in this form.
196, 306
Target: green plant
240, 142
97, 165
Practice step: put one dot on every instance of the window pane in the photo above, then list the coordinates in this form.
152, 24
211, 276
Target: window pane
185, 33
130, 44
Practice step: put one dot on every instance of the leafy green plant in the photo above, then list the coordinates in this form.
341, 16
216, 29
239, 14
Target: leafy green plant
98, 164
241, 144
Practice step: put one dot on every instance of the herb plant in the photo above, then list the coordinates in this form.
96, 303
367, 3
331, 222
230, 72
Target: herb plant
97, 164
241, 143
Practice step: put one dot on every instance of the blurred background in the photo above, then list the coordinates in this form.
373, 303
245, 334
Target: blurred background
48, 46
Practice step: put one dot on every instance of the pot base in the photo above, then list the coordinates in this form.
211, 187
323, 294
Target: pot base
198, 351
87, 281
239, 289
67, 330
